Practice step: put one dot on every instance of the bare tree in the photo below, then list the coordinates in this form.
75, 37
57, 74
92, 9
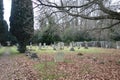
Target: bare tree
87, 9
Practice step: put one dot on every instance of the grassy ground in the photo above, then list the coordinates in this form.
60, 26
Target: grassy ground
12, 50
94, 64
67, 50
49, 50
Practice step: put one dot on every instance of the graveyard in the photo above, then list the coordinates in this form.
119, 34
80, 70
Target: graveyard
59, 39
60, 64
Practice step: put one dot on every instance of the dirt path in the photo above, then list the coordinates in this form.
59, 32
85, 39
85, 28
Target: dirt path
16, 68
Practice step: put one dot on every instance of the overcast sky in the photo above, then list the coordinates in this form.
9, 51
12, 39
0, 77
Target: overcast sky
7, 8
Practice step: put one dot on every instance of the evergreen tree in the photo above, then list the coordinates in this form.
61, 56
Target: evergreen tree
3, 26
21, 22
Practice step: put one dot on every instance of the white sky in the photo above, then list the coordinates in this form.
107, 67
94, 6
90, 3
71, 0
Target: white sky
7, 8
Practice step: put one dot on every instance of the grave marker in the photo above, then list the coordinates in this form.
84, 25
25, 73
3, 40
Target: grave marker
40, 45
59, 57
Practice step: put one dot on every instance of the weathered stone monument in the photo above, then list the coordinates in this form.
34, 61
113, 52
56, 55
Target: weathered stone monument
30, 48
61, 45
54, 47
44, 45
85, 45
71, 46
59, 57
40, 45
117, 45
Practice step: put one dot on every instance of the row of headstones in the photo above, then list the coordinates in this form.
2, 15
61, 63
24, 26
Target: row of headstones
60, 45
102, 44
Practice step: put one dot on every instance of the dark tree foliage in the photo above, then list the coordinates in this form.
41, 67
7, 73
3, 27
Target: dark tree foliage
21, 22
3, 26
1, 10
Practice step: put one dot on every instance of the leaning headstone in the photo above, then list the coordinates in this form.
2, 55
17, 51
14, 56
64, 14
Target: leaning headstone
59, 57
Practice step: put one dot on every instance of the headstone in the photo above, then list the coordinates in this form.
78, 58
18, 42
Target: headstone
71, 45
44, 45
117, 46
40, 45
30, 46
106, 46
59, 57
78, 45
86, 45
61, 45
53, 46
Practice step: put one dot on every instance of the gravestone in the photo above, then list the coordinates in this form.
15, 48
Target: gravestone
78, 45
59, 57
117, 46
53, 46
61, 45
71, 45
86, 45
30, 48
44, 45
106, 46
40, 46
